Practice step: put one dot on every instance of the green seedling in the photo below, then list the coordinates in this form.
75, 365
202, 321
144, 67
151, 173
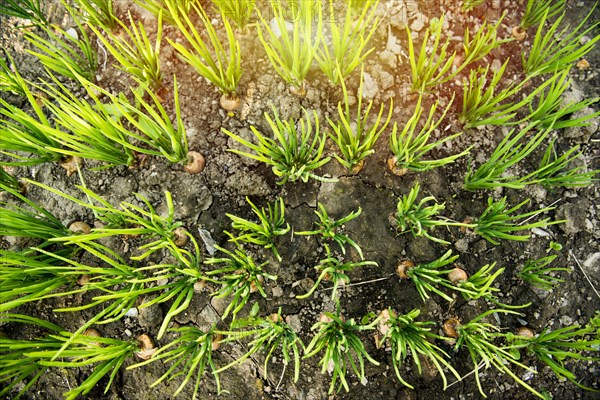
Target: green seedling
9, 181
179, 8
291, 52
479, 338
354, 136
331, 230
189, 354
407, 336
537, 11
64, 52
554, 348
410, 146
134, 52
419, 218
334, 270
239, 276
479, 45
220, 64
20, 359
493, 173
339, 338
10, 78
268, 335
427, 277
554, 171
30, 10
271, 224
538, 273
99, 13
294, 153
555, 50
239, 12
349, 40
469, 5
498, 222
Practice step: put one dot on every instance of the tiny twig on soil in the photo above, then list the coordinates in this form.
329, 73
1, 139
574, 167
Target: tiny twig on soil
583, 272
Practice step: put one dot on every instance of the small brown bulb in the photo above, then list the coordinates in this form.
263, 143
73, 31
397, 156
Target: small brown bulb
146, 347
583, 64
180, 237
254, 284
450, 327
457, 275
229, 102
299, 91
275, 318
384, 317
196, 163
79, 227
519, 33
392, 164
83, 280
216, 341
70, 164
403, 267
525, 332
358, 167
91, 332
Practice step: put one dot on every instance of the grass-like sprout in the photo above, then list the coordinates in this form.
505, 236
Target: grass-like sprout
348, 40
10, 79
554, 171
166, 7
427, 277
26, 9
268, 334
419, 218
551, 109
334, 270
99, 13
136, 55
555, 348
271, 224
64, 52
33, 221
479, 45
238, 11
556, 50
331, 230
189, 354
508, 153
292, 51
220, 65
484, 105
432, 66
538, 273
407, 336
354, 136
29, 276
537, 11
339, 338
411, 145
479, 338
469, 5
294, 153
239, 275
20, 359
498, 222
9, 181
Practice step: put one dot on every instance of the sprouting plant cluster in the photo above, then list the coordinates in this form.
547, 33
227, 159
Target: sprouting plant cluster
69, 117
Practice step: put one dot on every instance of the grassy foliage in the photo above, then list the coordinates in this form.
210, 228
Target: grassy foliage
554, 170
538, 273
349, 39
294, 153
220, 64
410, 146
238, 11
537, 11
427, 277
477, 46
31, 10
99, 13
292, 51
355, 136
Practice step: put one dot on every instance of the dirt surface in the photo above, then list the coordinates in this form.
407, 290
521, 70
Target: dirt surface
201, 201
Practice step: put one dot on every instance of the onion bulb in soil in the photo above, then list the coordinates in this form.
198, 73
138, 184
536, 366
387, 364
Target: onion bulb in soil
384, 316
403, 267
450, 327
180, 237
457, 275
525, 332
196, 163
79, 227
230, 102
358, 167
146, 347
392, 164
299, 91
519, 33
